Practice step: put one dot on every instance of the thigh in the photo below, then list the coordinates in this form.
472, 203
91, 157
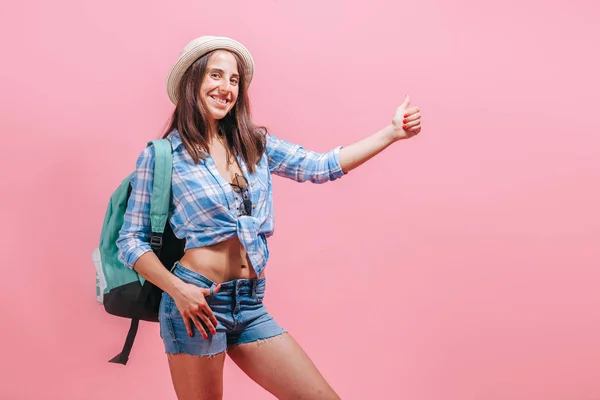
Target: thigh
197, 377
196, 363
282, 368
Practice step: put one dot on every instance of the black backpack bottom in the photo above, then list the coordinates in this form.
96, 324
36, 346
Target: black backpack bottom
142, 302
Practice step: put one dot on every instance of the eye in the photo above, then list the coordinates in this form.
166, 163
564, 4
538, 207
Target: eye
214, 75
235, 81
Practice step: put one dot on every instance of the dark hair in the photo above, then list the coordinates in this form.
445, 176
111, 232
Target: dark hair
243, 137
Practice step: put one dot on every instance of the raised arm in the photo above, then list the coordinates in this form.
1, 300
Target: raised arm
294, 162
406, 123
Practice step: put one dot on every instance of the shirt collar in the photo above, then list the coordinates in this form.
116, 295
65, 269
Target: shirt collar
175, 139
176, 142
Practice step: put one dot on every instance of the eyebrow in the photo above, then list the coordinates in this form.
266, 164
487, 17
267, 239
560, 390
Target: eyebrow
222, 72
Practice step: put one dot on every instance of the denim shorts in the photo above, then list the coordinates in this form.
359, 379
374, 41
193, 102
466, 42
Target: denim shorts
238, 307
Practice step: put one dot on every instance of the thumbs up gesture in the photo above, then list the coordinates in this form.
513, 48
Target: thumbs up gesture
407, 120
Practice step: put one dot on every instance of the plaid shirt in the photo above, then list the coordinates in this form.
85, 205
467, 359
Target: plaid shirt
204, 209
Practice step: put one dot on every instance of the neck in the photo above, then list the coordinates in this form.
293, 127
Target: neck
213, 131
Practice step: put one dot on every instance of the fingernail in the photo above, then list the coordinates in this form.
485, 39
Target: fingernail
404, 127
404, 121
405, 115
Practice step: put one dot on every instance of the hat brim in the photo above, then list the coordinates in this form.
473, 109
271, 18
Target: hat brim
199, 47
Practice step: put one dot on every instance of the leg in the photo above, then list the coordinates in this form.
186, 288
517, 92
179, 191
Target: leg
196, 363
197, 377
282, 368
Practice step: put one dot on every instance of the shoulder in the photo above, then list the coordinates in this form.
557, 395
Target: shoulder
149, 153
146, 157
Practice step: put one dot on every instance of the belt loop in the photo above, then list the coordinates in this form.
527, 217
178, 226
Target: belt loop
254, 288
212, 289
175, 264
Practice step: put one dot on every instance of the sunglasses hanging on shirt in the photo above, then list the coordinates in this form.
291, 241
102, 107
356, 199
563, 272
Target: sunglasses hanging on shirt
240, 185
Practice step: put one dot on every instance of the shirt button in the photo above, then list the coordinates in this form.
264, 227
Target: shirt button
253, 205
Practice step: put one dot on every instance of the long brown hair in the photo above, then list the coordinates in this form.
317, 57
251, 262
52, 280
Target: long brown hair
243, 137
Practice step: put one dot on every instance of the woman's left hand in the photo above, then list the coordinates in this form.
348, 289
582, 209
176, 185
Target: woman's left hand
406, 121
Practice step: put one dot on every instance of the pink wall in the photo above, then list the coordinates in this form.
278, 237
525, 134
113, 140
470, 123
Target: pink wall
461, 265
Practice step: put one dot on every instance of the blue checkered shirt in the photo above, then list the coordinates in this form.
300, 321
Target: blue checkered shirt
204, 208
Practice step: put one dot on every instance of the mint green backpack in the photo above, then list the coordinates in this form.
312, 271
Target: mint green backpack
120, 289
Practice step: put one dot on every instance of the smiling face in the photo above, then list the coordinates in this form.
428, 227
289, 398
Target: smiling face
220, 85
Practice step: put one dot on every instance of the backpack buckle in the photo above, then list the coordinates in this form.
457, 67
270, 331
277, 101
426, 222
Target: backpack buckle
156, 240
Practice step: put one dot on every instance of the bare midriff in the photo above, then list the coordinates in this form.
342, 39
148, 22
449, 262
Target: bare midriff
222, 262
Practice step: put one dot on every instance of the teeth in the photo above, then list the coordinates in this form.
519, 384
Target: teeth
222, 101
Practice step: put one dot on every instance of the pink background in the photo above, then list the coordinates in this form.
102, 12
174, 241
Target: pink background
460, 265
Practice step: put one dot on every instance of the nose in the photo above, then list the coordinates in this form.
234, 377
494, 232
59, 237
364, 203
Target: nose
224, 87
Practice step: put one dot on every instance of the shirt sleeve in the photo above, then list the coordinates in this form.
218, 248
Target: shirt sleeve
134, 236
294, 162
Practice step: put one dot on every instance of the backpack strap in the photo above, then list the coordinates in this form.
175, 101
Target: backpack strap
123, 356
161, 191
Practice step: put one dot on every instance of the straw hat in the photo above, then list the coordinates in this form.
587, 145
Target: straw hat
199, 47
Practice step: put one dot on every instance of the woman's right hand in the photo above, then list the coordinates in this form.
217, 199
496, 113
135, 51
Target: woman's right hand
406, 121
191, 303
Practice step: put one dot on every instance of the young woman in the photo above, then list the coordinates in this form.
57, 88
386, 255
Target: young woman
222, 205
